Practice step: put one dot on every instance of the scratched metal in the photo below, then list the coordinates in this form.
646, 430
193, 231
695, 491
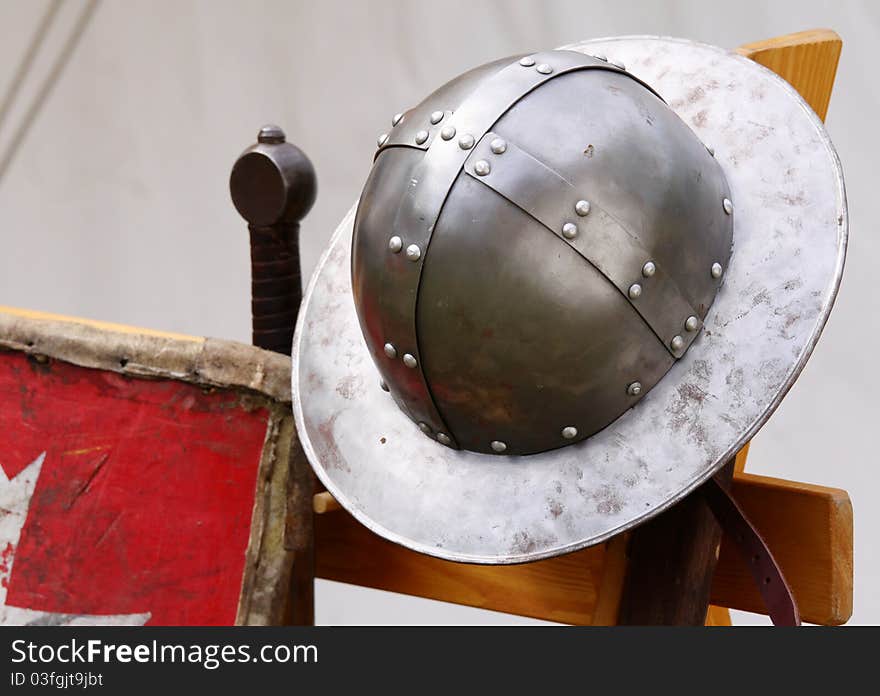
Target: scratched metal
789, 245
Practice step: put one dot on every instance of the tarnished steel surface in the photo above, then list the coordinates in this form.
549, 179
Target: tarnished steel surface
535, 358
418, 199
510, 342
620, 256
789, 244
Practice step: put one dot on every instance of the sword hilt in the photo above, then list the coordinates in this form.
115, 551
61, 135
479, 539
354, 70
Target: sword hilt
273, 186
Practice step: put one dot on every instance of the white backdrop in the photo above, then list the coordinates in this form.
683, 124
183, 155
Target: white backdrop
116, 207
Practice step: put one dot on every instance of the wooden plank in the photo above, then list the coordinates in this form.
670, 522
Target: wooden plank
810, 531
807, 60
808, 527
561, 589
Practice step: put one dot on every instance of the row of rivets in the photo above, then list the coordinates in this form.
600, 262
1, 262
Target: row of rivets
528, 62
569, 229
408, 359
395, 244
442, 438
569, 432
421, 136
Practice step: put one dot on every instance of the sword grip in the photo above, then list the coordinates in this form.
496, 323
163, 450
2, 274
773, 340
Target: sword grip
273, 185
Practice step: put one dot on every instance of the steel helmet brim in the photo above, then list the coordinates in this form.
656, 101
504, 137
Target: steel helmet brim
790, 235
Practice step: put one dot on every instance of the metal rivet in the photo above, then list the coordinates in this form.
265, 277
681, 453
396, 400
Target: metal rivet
443, 439
569, 230
544, 69
383, 385
425, 428
409, 360
382, 139
498, 446
617, 64
421, 137
569, 432
711, 150
601, 56
466, 142
649, 269
635, 291
447, 132
436, 117
499, 146
527, 61
397, 119
390, 350
691, 324
727, 205
395, 244
717, 270
482, 167
413, 253
582, 208
677, 343
634, 389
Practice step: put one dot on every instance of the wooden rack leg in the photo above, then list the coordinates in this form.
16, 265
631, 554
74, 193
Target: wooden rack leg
671, 563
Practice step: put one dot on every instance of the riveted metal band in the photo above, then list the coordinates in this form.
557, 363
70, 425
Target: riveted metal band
415, 129
596, 236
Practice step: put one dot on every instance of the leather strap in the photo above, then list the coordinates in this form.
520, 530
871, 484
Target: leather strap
768, 577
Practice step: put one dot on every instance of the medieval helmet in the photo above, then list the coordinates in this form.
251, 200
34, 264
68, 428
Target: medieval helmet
545, 323
537, 243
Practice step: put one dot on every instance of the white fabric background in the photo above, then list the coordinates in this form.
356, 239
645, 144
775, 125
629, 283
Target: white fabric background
116, 205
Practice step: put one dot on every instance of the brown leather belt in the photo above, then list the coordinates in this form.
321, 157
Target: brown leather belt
768, 577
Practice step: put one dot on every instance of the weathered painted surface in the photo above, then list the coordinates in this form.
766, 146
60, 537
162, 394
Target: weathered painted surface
789, 244
122, 500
